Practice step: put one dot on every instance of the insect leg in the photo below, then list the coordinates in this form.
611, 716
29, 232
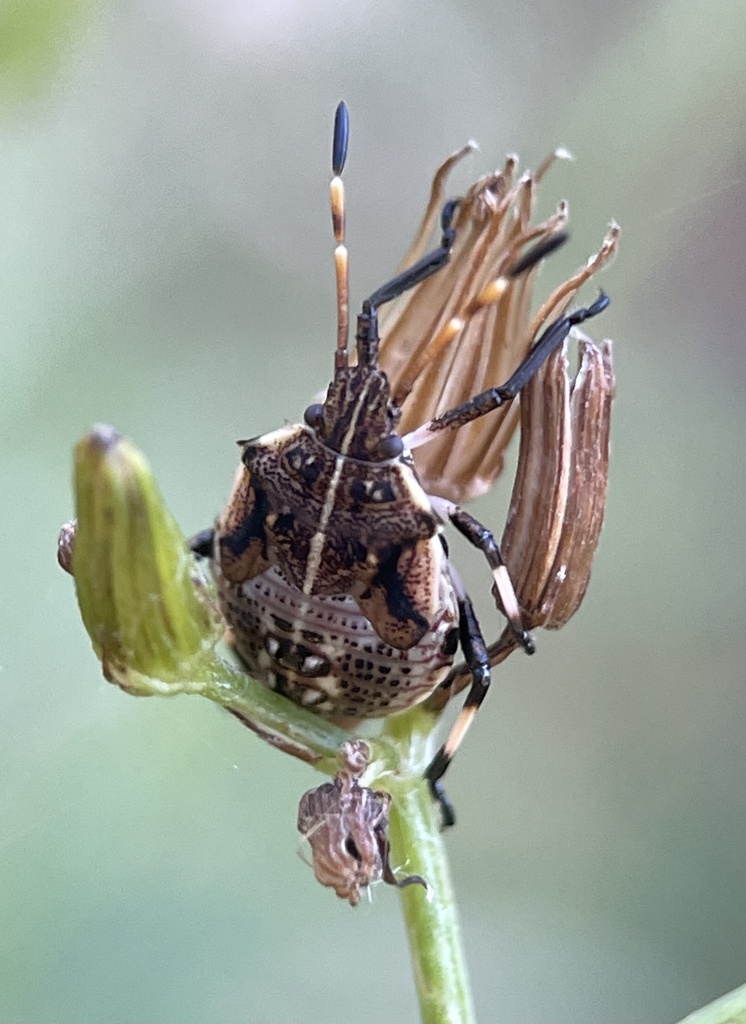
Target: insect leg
476, 653
493, 398
484, 540
478, 662
424, 267
203, 543
438, 258
367, 322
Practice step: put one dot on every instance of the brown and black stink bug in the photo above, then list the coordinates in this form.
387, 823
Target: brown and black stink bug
331, 567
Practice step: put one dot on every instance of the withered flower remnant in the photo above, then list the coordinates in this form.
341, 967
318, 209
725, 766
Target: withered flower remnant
559, 495
346, 826
493, 226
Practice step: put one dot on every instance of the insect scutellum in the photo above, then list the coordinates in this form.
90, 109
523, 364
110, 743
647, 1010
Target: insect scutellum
331, 568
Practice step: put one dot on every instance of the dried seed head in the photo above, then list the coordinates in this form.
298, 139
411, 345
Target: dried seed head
493, 226
346, 825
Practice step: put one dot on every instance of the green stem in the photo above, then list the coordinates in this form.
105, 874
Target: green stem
280, 723
274, 718
431, 919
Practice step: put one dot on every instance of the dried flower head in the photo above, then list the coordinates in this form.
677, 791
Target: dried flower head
346, 825
493, 226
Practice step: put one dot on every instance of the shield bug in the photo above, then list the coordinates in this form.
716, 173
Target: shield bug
330, 562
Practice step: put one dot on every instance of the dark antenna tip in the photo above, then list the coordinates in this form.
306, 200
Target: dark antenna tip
538, 252
341, 137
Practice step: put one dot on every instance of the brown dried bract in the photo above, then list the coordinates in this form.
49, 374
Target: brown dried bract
493, 226
559, 495
346, 825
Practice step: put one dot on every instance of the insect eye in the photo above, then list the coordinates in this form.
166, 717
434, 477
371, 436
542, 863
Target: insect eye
314, 414
390, 447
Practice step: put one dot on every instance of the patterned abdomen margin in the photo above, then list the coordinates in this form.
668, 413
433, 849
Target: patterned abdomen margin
323, 653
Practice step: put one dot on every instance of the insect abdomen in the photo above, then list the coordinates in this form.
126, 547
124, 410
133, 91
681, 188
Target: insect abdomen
324, 654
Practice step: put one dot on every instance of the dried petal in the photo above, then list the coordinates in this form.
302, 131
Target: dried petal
559, 496
346, 825
590, 410
493, 225
537, 509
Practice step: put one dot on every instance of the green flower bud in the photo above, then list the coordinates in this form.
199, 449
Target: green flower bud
146, 608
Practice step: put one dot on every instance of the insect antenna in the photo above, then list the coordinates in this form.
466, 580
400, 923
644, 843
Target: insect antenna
337, 197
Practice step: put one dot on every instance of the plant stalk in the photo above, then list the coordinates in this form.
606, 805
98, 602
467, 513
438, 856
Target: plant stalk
418, 847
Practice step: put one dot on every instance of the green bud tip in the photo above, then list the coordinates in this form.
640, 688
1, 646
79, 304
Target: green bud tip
144, 603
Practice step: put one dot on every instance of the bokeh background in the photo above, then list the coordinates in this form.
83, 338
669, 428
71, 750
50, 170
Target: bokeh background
166, 266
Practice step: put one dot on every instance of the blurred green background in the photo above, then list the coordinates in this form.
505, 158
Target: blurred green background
166, 266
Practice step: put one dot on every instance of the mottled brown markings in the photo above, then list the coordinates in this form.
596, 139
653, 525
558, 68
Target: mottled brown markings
370, 492
241, 531
388, 602
348, 545
316, 547
358, 413
304, 463
319, 537
336, 523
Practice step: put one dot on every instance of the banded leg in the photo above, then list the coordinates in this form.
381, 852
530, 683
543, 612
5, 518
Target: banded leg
478, 661
483, 539
476, 652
